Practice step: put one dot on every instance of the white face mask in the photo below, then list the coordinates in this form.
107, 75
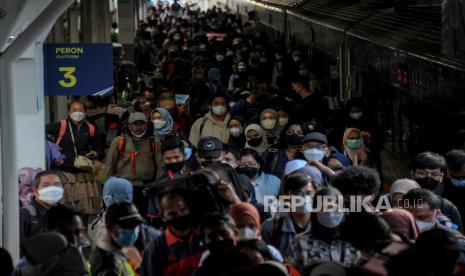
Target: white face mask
247, 233
241, 68
356, 115
219, 110
229, 53
296, 58
236, 131
268, 123
158, 123
139, 135
424, 225
219, 57
330, 219
283, 121
51, 194
77, 116
314, 154
303, 72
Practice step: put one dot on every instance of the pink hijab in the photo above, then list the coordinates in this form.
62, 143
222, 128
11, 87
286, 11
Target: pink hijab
402, 222
26, 183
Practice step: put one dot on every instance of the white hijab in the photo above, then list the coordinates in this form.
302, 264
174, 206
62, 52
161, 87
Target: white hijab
263, 145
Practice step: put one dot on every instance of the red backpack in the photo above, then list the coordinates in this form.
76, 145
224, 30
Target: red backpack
63, 127
133, 155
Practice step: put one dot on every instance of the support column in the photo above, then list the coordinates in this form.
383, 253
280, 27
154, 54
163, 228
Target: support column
127, 26
127, 21
96, 21
22, 115
55, 107
73, 21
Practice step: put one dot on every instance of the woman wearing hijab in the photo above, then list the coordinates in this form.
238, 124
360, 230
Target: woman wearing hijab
236, 130
399, 188
354, 147
163, 124
247, 219
357, 115
323, 242
256, 138
269, 121
402, 223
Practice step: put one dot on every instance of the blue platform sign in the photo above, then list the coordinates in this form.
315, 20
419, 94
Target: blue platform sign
77, 69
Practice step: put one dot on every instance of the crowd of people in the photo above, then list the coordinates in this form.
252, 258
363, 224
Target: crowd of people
175, 179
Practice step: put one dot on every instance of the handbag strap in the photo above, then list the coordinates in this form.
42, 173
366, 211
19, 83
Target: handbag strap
72, 138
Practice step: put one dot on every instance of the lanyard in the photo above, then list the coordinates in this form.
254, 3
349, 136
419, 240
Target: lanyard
72, 138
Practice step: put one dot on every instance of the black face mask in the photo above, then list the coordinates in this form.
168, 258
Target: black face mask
175, 167
180, 223
250, 172
294, 140
255, 142
220, 246
427, 183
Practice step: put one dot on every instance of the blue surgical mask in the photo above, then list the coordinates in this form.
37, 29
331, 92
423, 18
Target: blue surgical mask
330, 219
187, 153
314, 154
424, 225
126, 237
354, 143
458, 182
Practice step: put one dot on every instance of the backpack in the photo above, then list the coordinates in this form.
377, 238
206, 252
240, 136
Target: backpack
133, 155
63, 127
202, 125
37, 226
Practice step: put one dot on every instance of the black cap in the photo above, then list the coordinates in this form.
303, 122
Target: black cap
315, 136
210, 147
124, 214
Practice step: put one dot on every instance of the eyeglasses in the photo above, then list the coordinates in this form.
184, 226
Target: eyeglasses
321, 147
425, 173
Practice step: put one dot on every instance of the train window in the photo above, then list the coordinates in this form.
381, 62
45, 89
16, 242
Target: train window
237, 8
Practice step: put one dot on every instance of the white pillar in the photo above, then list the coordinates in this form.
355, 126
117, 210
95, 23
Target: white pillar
96, 21
22, 115
127, 21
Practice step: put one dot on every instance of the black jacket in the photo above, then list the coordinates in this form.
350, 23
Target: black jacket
84, 142
456, 195
31, 220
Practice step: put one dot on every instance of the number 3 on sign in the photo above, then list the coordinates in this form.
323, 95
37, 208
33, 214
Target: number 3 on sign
70, 80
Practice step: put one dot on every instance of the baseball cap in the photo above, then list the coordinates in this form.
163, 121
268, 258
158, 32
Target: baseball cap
210, 147
117, 190
315, 136
294, 165
137, 116
124, 214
